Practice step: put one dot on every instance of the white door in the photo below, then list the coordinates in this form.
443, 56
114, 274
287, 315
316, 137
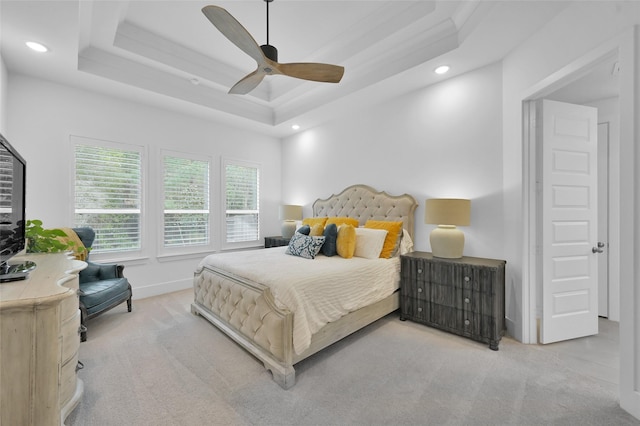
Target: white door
603, 219
567, 141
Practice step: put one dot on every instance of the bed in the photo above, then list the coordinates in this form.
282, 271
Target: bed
243, 297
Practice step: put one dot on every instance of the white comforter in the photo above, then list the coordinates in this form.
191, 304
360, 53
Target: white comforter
317, 291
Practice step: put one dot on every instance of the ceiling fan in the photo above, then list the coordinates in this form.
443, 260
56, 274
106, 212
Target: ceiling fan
266, 55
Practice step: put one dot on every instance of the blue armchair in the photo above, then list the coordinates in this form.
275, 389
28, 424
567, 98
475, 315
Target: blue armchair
102, 285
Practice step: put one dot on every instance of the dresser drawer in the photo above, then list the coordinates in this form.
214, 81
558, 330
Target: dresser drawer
69, 306
415, 269
416, 309
420, 290
70, 337
68, 379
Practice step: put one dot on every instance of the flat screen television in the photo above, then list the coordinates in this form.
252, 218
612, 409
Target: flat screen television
13, 173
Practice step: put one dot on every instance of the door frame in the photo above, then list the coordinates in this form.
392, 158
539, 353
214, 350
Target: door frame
532, 291
626, 46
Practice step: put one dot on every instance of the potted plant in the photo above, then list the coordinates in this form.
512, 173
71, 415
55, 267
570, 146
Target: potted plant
41, 240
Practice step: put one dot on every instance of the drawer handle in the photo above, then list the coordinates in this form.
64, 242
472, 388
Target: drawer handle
419, 290
467, 322
466, 300
419, 309
466, 279
419, 270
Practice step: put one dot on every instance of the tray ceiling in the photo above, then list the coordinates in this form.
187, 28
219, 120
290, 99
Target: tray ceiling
166, 53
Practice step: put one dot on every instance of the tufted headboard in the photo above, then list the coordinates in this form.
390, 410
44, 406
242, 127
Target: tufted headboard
363, 203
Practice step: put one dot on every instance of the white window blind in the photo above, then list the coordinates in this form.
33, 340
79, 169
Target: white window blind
108, 196
242, 194
186, 202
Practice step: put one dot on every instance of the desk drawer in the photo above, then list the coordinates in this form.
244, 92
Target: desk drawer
68, 380
69, 306
70, 337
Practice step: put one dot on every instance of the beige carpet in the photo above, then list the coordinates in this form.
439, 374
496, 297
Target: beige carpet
161, 365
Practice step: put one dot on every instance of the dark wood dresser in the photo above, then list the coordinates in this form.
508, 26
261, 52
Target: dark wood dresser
463, 296
275, 242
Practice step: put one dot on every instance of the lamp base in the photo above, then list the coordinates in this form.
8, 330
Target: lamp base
288, 228
447, 242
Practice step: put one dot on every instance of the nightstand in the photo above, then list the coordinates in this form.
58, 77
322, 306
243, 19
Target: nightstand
275, 242
462, 296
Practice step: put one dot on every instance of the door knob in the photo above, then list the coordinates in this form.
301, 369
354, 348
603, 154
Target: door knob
599, 247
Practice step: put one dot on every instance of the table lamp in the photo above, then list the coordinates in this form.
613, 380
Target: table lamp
446, 240
289, 214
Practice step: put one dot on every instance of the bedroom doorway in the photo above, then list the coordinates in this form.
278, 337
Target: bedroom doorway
575, 86
623, 197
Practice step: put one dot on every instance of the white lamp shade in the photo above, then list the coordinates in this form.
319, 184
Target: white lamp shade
447, 211
290, 212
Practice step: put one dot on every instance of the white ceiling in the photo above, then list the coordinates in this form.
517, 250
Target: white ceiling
151, 51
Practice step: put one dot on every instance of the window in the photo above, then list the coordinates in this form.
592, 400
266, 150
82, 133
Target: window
242, 194
108, 194
186, 201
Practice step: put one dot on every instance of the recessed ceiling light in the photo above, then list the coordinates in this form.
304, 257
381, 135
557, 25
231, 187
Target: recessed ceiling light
38, 47
295, 127
442, 69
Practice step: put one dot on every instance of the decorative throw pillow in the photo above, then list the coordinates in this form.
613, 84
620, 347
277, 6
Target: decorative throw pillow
346, 241
304, 229
406, 244
314, 221
304, 246
316, 230
329, 248
394, 235
342, 220
369, 242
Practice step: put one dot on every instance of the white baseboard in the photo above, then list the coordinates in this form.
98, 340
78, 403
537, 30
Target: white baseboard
161, 288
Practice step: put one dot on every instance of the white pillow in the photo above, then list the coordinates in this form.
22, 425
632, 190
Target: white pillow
406, 244
369, 242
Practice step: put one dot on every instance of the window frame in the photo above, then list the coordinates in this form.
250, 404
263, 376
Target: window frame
164, 251
224, 244
122, 255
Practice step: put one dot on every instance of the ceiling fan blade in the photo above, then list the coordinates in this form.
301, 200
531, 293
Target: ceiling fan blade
248, 83
234, 31
325, 73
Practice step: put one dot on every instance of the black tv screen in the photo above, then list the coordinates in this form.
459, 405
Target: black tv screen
13, 169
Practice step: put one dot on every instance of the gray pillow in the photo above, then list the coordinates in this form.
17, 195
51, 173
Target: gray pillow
329, 248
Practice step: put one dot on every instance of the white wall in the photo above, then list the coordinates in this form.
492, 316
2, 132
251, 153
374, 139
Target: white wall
43, 115
441, 141
609, 112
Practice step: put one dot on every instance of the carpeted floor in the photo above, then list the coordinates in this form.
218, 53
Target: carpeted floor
161, 365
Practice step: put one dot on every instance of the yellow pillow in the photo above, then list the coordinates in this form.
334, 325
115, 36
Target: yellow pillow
314, 221
316, 230
394, 234
342, 220
346, 242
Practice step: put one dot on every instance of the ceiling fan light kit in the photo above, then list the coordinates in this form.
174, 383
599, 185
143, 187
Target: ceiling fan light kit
266, 56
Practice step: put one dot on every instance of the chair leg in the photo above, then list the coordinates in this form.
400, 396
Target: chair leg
129, 304
83, 323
